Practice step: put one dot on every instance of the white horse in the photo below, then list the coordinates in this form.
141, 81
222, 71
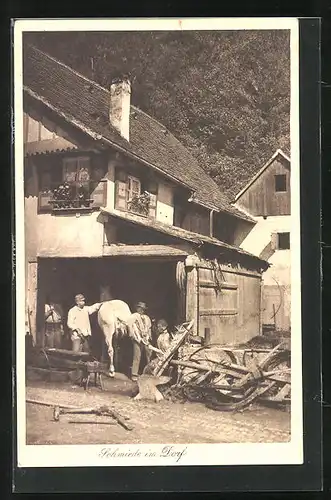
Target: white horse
113, 319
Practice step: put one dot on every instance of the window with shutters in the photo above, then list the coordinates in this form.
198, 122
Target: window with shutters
74, 185
135, 195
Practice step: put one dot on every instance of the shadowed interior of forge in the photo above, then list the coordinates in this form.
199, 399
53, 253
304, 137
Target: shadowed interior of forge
152, 282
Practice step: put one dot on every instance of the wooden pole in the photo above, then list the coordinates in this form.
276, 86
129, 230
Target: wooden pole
211, 224
92, 422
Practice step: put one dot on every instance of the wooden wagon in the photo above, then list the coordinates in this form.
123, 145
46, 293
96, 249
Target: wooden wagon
228, 378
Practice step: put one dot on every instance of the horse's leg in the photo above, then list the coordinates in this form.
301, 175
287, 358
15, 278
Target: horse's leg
109, 333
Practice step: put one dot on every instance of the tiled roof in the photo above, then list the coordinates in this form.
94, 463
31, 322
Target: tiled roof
57, 145
86, 105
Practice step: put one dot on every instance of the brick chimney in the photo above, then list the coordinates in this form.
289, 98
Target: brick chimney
119, 110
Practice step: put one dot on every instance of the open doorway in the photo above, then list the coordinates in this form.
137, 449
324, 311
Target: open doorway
130, 280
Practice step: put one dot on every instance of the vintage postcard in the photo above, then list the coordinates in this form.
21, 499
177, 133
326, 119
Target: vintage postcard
158, 303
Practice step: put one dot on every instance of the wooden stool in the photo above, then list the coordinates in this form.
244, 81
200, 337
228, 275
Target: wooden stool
93, 367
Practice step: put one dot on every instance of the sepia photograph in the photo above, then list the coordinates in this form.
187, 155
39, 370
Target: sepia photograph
157, 242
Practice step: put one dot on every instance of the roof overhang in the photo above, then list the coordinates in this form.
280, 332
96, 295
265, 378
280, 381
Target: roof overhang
198, 240
56, 145
144, 250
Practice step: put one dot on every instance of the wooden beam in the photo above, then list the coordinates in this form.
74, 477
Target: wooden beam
143, 250
218, 312
211, 284
211, 224
32, 278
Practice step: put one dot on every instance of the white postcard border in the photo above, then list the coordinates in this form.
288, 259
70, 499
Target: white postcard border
160, 454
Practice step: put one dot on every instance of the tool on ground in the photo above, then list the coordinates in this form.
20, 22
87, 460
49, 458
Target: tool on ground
102, 410
148, 382
91, 422
147, 385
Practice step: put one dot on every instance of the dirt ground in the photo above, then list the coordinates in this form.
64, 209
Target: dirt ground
163, 422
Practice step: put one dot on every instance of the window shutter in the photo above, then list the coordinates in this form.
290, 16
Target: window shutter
83, 173
99, 167
120, 194
45, 179
99, 194
152, 206
43, 201
274, 241
152, 187
70, 170
121, 175
134, 188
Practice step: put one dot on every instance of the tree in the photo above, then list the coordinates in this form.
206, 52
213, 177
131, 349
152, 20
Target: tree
225, 94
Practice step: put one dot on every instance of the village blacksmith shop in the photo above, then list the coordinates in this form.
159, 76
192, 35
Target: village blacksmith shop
117, 208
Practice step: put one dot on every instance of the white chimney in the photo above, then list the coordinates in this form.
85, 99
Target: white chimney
119, 110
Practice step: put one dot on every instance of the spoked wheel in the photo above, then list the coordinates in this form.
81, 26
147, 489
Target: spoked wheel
219, 362
280, 368
215, 384
273, 383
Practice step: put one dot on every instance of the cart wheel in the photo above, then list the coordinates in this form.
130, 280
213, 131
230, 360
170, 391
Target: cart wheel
216, 357
281, 364
56, 413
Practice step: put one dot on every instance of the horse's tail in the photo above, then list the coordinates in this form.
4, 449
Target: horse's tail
121, 328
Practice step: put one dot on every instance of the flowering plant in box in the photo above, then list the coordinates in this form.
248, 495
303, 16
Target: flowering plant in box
70, 196
139, 204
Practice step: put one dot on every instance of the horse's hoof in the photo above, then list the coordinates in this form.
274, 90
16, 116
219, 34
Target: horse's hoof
112, 374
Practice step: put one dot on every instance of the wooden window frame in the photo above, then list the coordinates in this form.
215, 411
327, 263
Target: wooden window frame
285, 235
284, 179
131, 178
89, 204
122, 201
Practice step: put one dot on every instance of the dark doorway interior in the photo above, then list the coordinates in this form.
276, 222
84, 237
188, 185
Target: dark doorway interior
130, 280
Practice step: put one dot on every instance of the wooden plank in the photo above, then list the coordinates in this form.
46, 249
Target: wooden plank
192, 297
228, 269
168, 355
143, 250
49, 403
32, 291
67, 353
218, 312
211, 284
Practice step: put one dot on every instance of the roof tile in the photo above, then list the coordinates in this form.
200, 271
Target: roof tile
84, 102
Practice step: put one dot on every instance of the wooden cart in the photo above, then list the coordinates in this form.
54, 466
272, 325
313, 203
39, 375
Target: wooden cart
232, 378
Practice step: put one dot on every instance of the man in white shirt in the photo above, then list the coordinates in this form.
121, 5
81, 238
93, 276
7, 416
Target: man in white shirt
79, 323
140, 329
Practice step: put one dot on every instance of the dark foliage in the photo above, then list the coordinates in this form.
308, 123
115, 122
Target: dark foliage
225, 95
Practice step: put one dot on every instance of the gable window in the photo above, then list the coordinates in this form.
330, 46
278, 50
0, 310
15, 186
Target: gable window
280, 183
283, 242
135, 195
71, 185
